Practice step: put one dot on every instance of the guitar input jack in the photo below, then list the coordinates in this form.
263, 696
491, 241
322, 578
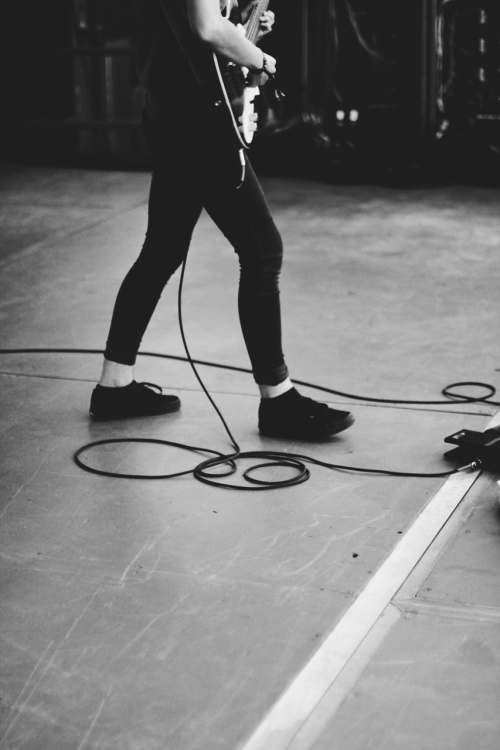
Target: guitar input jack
243, 163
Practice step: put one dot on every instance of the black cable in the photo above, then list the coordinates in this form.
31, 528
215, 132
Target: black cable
272, 458
82, 465
451, 397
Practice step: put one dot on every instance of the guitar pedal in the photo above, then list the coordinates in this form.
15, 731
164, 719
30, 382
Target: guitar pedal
481, 446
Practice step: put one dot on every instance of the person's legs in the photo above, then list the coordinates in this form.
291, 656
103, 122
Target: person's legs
177, 195
174, 208
244, 218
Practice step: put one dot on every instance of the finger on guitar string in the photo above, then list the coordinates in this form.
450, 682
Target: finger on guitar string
267, 20
270, 63
258, 79
266, 23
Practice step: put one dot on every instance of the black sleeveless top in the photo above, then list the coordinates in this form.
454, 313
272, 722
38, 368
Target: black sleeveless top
182, 91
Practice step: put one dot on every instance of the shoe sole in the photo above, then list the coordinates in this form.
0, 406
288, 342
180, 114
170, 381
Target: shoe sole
113, 416
339, 426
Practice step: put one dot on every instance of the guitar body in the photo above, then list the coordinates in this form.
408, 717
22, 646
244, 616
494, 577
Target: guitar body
239, 97
249, 95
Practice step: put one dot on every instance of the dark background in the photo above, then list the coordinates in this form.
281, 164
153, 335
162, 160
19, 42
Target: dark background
383, 88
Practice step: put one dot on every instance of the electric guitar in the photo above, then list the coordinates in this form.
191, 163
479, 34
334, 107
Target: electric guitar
238, 96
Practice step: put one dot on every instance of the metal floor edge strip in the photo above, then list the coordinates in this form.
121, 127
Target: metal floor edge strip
280, 728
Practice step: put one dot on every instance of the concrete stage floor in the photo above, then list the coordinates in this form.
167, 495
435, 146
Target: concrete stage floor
351, 612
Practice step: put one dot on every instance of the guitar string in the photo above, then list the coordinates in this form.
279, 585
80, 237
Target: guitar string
253, 23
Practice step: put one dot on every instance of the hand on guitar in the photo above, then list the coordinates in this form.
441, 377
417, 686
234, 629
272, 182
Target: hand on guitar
259, 79
266, 21
266, 24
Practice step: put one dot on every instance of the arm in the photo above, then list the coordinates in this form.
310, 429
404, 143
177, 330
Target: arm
222, 37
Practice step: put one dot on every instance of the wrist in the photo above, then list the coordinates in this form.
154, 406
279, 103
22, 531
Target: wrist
263, 69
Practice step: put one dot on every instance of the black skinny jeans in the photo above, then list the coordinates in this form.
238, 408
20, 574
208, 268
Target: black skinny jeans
186, 180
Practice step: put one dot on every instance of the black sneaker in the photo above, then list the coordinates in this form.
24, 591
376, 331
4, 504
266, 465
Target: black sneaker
134, 400
292, 415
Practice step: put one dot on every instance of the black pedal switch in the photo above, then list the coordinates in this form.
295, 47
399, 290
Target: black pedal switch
472, 445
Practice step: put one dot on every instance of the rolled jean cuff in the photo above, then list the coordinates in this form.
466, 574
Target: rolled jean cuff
121, 354
271, 377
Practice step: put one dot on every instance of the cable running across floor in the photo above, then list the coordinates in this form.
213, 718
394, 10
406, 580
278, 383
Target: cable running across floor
272, 459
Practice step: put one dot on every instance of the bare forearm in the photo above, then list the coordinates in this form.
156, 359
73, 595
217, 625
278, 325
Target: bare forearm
227, 41
220, 35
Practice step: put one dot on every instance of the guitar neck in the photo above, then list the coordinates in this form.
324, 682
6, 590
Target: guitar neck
253, 21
